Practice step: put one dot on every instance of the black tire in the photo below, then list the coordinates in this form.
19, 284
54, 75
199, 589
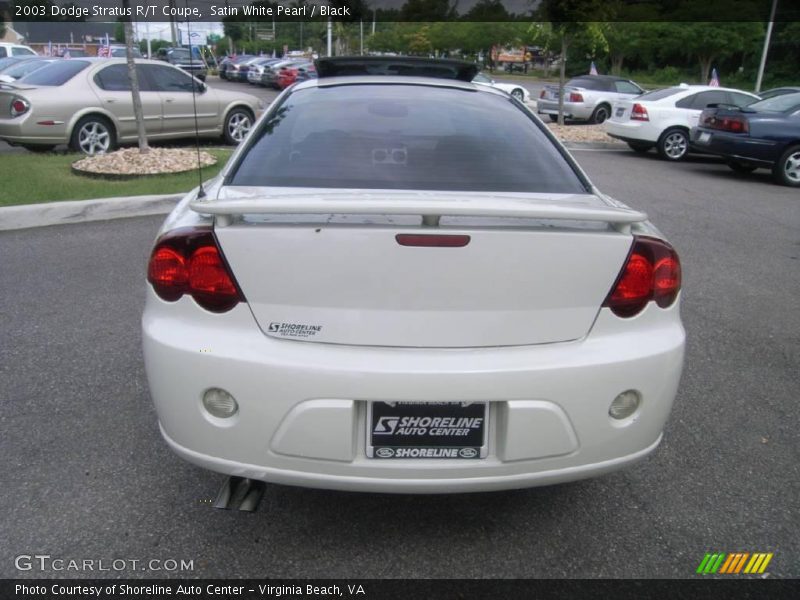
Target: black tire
518, 94
553, 118
673, 145
38, 148
740, 167
787, 170
238, 123
601, 114
93, 134
640, 147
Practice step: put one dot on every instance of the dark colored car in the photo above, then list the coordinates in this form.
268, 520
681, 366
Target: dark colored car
307, 72
182, 58
765, 134
229, 67
778, 92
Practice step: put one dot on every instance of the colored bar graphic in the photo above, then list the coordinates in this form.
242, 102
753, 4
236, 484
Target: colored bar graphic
733, 563
741, 562
726, 567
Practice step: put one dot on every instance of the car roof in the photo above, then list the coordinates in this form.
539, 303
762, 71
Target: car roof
600, 77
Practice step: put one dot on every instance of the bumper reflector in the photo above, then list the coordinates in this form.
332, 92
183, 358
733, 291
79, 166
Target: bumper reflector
624, 405
220, 403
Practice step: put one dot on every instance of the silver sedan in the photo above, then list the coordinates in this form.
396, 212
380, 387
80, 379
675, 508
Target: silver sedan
86, 103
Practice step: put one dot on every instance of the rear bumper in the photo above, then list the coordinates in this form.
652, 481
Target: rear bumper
757, 152
572, 110
23, 130
632, 131
302, 415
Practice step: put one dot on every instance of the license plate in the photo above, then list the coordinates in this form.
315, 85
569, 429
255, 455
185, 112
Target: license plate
704, 138
620, 111
450, 430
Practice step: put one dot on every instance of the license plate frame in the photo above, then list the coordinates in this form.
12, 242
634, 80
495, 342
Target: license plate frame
388, 436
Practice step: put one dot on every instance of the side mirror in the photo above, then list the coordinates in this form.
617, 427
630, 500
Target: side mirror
201, 87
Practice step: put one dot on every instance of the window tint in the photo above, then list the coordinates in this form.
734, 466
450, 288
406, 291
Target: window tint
56, 73
22, 52
783, 103
168, 79
626, 87
589, 84
23, 68
403, 137
701, 100
114, 78
3, 52
740, 99
660, 94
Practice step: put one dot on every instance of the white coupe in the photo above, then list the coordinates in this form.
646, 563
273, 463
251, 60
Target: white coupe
380, 292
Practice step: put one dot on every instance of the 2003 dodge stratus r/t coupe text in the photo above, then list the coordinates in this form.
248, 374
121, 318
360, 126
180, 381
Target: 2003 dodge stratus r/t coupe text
402, 282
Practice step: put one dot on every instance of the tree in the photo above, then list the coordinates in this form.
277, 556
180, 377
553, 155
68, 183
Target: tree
134, 79
566, 22
628, 39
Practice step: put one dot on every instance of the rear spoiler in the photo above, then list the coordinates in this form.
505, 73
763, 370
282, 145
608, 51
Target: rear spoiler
430, 208
408, 66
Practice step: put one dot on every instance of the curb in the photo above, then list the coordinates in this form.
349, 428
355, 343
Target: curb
80, 211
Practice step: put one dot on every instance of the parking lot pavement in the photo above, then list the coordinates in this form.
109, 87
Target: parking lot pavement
86, 475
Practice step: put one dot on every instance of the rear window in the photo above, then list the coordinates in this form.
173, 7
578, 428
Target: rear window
660, 94
404, 137
56, 73
784, 103
589, 84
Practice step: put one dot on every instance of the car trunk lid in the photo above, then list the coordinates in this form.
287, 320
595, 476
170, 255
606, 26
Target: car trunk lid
338, 273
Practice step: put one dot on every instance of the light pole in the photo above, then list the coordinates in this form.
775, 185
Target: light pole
763, 63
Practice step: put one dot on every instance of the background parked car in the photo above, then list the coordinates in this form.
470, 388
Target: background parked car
183, 59
242, 68
587, 98
765, 134
515, 90
288, 75
7, 49
272, 72
664, 118
87, 104
18, 70
778, 92
122, 52
229, 68
256, 69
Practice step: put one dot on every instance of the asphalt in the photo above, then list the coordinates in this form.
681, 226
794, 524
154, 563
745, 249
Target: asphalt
86, 474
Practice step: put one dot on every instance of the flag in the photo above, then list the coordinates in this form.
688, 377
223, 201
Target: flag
593, 69
714, 79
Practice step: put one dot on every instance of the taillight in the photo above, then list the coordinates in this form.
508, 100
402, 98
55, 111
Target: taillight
652, 271
639, 113
19, 107
575, 97
189, 261
732, 124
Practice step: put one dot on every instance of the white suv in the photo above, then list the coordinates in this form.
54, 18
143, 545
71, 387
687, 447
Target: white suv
7, 49
663, 118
